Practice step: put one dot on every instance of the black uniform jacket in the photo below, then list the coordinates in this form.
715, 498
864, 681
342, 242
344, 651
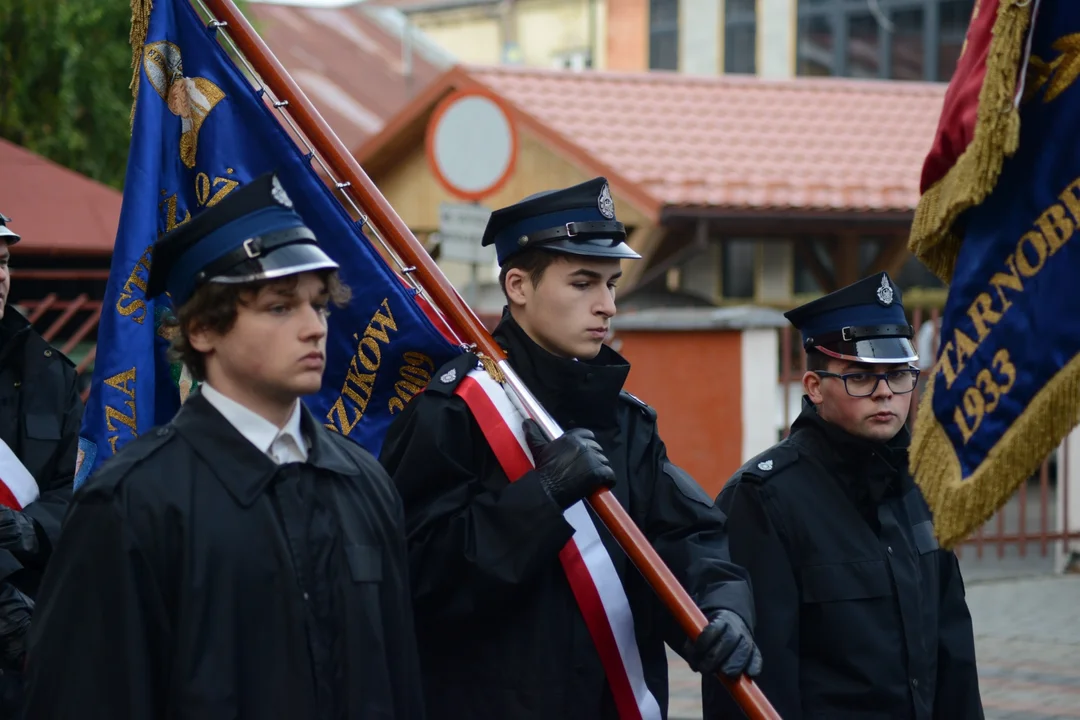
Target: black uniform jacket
196, 579
860, 615
40, 416
500, 634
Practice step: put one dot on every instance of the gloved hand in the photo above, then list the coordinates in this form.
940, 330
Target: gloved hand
727, 645
18, 533
571, 466
15, 612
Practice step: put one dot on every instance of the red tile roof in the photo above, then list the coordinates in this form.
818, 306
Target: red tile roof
740, 142
728, 143
350, 61
54, 209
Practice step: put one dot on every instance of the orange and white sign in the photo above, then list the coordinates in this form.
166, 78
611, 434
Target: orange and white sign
471, 144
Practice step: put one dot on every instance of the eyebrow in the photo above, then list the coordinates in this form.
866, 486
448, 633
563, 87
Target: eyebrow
593, 275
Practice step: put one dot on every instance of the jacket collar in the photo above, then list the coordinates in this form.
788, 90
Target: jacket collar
867, 470
241, 467
577, 393
256, 429
14, 331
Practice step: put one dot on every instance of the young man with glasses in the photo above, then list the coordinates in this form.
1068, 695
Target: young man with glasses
859, 613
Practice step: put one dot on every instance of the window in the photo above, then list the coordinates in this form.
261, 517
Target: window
576, 60
740, 36
738, 266
886, 39
663, 34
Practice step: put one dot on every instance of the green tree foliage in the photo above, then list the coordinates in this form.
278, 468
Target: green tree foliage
65, 66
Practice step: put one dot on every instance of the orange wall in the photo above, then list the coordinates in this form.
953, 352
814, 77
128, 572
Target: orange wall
694, 381
628, 35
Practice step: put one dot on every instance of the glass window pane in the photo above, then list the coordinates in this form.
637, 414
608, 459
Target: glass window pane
955, 16
663, 13
740, 46
864, 47
664, 51
915, 274
737, 265
739, 8
815, 46
906, 46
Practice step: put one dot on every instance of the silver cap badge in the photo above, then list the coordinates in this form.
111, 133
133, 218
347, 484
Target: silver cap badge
885, 293
605, 203
278, 193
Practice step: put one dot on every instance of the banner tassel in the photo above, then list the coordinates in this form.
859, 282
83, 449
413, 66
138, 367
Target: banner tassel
140, 25
997, 135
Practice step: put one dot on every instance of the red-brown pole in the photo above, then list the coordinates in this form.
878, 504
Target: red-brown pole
397, 234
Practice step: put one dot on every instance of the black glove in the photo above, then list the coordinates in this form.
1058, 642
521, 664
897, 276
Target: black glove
18, 533
571, 466
15, 612
725, 645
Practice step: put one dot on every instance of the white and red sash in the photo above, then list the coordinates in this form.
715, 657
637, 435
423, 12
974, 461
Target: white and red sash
17, 486
595, 583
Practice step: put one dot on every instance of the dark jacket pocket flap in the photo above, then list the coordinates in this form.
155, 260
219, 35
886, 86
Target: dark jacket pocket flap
846, 581
925, 540
365, 562
41, 426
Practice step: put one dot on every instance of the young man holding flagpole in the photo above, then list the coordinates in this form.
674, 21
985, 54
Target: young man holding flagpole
526, 607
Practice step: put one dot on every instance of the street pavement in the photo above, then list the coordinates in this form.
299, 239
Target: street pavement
1027, 640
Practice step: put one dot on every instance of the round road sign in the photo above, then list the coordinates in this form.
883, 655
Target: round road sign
471, 144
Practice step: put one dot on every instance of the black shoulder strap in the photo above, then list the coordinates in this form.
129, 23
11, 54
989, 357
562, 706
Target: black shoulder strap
450, 375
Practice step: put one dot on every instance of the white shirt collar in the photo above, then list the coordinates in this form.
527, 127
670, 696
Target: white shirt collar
281, 445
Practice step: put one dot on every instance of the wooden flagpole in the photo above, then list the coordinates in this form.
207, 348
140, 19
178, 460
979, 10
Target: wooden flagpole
465, 322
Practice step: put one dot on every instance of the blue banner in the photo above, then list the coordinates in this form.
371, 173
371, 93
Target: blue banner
1006, 389
200, 131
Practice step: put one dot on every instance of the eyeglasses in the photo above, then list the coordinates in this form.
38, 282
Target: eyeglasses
864, 384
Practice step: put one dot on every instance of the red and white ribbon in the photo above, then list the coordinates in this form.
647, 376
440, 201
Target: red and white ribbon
17, 486
595, 583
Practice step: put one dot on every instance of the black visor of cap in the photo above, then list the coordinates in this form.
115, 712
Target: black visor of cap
592, 247
278, 262
874, 350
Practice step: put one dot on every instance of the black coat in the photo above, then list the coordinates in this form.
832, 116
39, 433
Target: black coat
860, 614
500, 633
40, 417
197, 579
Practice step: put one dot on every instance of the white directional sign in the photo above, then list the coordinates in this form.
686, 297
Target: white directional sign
461, 227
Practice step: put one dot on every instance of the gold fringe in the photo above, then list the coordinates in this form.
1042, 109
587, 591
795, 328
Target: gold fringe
997, 135
140, 24
492, 368
961, 505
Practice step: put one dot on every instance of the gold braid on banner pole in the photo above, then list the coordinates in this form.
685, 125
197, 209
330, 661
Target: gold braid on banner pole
140, 24
997, 135
492, 368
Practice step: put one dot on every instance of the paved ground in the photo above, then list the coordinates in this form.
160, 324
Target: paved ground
1027, 637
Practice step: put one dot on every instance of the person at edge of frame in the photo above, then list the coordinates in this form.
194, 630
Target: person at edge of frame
860, 614
242, 561
500, 632
40, 416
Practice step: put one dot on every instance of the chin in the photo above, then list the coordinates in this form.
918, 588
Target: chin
307, 385
588, 351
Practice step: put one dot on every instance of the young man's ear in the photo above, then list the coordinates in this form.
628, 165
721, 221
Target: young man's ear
517, 286
200, 338
811, 383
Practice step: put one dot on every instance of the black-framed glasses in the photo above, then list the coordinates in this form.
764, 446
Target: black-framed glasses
864, 384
